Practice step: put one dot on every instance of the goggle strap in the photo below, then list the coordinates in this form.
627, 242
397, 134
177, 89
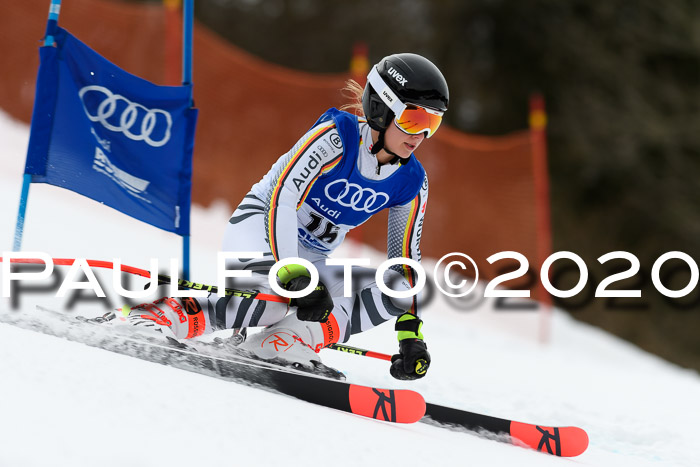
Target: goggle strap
385, 93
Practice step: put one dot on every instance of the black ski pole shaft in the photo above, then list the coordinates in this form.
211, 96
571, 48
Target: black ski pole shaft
162, 279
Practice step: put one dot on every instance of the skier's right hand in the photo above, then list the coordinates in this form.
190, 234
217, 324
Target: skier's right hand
317, 305
413, 359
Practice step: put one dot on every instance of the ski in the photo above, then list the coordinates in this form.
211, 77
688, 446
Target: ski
568, 441
558, 441
390, 405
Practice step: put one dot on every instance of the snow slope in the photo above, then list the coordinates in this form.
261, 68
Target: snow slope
67, 404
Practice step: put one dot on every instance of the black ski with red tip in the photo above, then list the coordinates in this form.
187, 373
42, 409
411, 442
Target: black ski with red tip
569, 441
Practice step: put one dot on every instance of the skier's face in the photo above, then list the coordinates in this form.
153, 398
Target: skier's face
401, 143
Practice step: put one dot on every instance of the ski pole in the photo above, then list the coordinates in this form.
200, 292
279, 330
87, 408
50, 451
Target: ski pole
162, 279
356, 351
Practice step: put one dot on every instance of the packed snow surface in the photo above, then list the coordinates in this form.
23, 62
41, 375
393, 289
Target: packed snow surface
66, 404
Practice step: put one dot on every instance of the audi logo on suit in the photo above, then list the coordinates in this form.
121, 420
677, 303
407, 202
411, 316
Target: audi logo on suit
356, 197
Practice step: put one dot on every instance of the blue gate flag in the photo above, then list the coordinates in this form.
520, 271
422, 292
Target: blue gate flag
112, 136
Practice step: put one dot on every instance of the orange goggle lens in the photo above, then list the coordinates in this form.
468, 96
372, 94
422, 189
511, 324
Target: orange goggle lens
414, 120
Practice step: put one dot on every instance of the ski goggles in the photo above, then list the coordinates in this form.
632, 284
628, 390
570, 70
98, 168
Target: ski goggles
410, 118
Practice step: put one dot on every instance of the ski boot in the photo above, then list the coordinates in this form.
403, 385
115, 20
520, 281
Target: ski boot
288, 343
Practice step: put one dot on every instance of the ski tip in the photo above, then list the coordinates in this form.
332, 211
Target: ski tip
568, 441
391, 405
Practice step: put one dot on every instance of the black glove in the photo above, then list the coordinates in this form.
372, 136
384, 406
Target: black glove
317, 305
413, 359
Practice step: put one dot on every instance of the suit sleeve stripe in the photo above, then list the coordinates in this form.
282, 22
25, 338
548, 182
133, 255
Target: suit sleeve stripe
408, 236
274, 200
324, 169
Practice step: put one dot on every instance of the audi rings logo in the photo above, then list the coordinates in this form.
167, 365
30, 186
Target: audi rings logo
352, 195
119, 114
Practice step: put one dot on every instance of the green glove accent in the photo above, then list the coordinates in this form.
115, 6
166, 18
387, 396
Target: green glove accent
126, 309
421, 366
409, 327
291, 271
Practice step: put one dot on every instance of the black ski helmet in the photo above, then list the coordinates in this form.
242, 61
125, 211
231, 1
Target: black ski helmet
414, 79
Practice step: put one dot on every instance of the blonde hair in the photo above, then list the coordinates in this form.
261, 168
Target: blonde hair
353, 91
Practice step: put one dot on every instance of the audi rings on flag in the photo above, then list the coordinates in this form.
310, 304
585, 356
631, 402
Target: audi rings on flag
117, 113
352, 195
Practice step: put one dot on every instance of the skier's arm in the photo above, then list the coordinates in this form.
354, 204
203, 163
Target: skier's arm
404, 234
405, 230
315, 153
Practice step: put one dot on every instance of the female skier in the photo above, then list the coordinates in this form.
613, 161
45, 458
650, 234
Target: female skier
342, 171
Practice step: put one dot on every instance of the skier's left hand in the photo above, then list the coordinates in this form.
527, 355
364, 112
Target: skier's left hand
317, 305
413, 359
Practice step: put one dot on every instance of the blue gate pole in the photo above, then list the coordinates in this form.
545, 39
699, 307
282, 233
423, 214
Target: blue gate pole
51, 25
187, 26
188, 20
19, 228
